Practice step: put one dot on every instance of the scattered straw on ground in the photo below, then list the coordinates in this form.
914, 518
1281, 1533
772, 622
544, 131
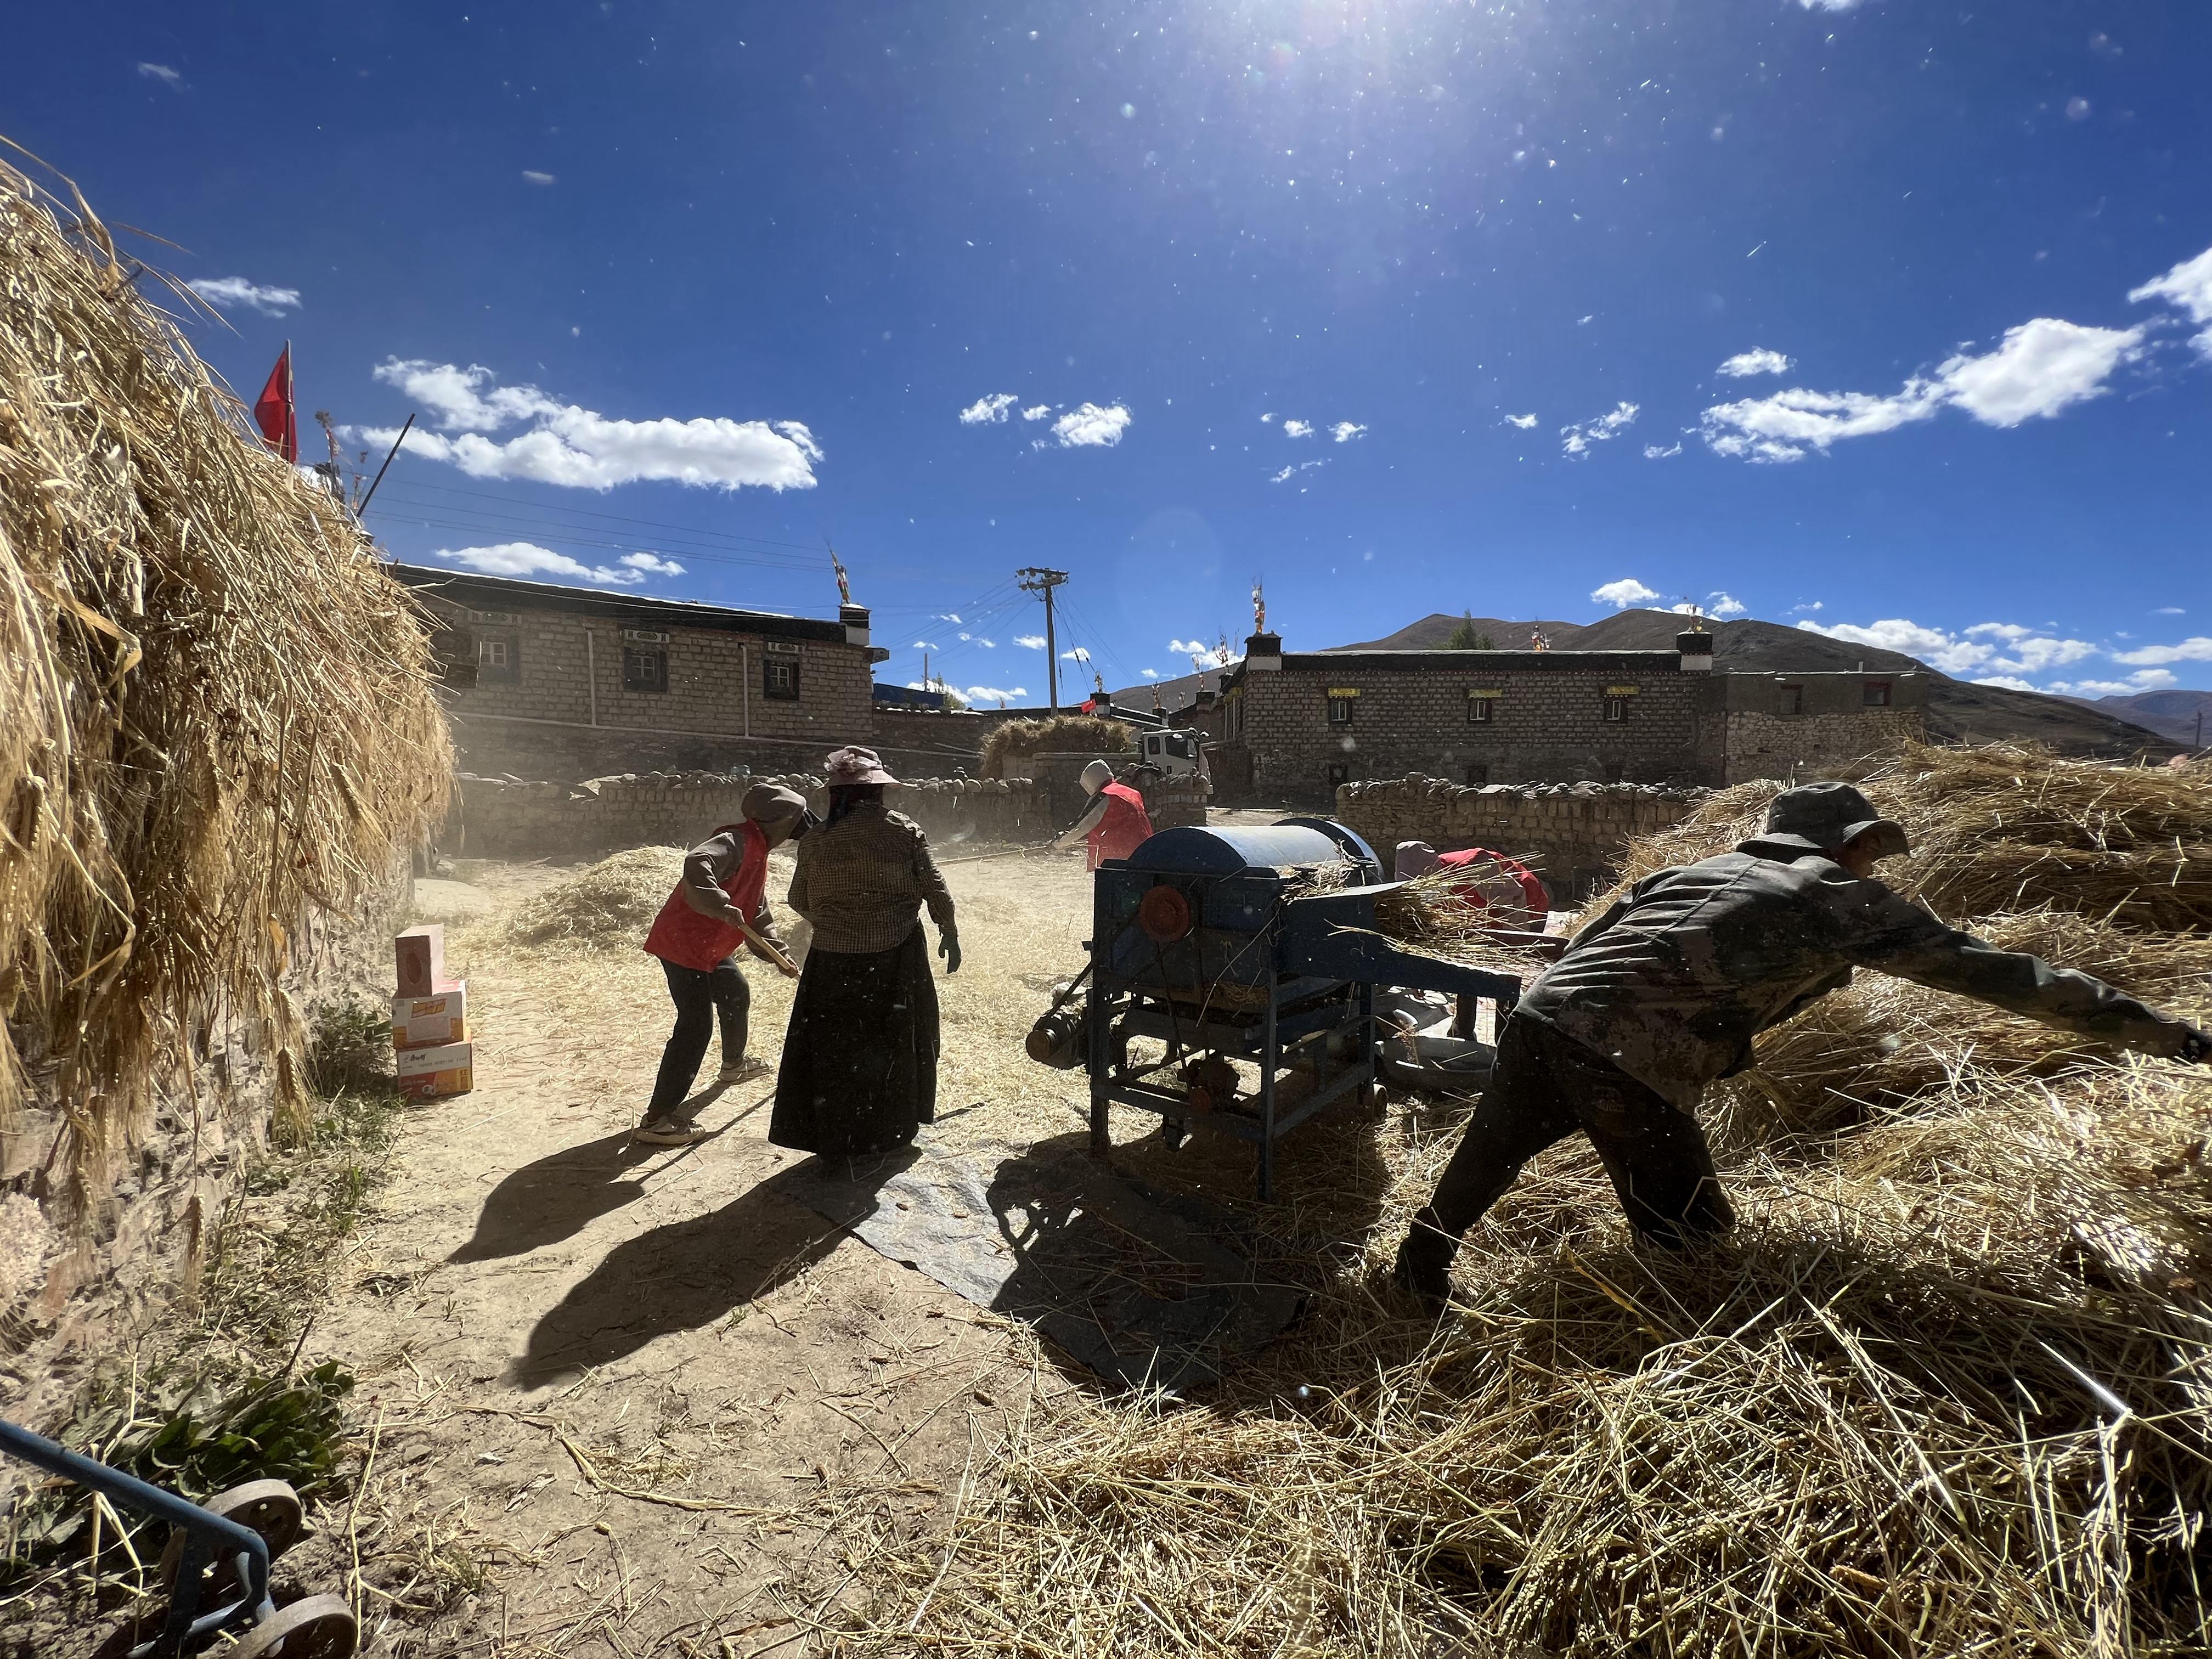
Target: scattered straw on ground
1944, 1391
215, 707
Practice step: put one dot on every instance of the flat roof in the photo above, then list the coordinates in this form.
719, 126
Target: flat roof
1477, 663
507, 592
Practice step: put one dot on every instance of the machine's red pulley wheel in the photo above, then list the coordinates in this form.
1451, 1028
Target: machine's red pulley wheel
1164, 915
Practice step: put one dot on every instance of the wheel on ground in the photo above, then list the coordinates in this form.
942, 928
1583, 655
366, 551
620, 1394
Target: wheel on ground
268, 1508
319, 1627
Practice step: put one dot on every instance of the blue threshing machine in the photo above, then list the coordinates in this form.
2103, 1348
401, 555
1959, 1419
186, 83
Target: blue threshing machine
1222, 944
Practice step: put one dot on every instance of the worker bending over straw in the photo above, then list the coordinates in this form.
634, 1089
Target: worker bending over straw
719, 904
859, 1060
1115, 823
1664, 992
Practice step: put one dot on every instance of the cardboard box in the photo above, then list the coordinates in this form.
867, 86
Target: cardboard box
448, 1068
420, 956
425, 1022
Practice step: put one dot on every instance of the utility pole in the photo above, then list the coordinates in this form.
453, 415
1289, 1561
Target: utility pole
1035, 580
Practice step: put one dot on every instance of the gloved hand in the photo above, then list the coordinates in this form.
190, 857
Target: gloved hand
948, 946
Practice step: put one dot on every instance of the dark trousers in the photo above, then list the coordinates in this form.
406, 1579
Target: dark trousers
1543, 1089
699, 997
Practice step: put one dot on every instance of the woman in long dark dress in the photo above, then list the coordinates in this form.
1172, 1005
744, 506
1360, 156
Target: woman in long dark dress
859, 1061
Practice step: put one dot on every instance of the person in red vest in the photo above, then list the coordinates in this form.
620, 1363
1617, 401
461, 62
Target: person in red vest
1115, 822
1509, 894
696, 936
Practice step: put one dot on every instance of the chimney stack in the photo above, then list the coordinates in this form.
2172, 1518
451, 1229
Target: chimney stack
855, 618
1697, 649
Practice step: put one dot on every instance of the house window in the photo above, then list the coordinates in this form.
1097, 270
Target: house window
1481, 707
780, 677
644, 670
1341, 706
498, 658
1477, 776
1791, 699
1877, 693
1616, 710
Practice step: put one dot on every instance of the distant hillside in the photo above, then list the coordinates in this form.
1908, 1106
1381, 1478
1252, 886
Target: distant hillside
2173, 714
1434, 632
1958, 711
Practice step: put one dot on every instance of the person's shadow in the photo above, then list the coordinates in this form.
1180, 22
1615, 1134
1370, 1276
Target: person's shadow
686, 1275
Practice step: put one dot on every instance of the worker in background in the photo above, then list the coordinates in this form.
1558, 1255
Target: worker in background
1665, 992
721, 895
1512, 901
1115, 824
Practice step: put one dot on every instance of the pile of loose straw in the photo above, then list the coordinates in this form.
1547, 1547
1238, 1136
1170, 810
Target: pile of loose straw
215, 710
1946, 1389
606, 907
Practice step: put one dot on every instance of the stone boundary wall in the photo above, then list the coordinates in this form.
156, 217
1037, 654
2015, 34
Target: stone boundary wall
495, 818
1572, 834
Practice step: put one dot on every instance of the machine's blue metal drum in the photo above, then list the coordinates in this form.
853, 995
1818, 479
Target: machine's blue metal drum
1188, 850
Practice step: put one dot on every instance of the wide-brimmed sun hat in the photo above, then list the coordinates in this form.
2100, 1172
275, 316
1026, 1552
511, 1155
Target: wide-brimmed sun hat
854, 766
1822, 817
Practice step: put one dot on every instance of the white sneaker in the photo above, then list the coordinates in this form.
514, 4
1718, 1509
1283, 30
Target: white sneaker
744, 1071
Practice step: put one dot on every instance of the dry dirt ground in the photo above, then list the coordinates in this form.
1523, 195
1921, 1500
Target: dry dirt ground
625, 1400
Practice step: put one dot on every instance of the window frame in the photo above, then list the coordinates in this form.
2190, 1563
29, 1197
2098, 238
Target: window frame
1487, 707
1616, 710
1341, 709
770, 662
635, 657
1790, 704
1876, 694
508, 643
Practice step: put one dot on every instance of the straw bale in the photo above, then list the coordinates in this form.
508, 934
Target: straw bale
1064, 733
606, 907
2005, 827
215, 707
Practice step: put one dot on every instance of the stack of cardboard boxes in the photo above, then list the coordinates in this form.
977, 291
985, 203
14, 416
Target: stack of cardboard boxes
429, 1019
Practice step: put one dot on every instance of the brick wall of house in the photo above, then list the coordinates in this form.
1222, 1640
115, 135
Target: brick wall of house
1572, 834
1547, 723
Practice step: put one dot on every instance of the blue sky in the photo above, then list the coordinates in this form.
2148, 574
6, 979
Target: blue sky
1892, 318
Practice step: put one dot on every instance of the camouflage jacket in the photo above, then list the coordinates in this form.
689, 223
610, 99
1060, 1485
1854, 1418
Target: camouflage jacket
1674, 980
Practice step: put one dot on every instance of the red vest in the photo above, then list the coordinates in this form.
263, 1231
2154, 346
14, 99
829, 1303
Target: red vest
1533, 892
683, 936
1124, 827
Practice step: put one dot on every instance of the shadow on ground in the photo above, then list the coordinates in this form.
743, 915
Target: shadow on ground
684, 1277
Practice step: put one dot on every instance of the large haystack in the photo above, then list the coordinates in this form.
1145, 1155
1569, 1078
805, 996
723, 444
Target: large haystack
1945, 1390
216, 710
1064, 734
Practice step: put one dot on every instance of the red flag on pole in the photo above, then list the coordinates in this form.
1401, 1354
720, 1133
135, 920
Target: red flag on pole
273, 413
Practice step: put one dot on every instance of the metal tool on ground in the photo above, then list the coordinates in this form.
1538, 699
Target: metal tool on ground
218, 1558
1234, 947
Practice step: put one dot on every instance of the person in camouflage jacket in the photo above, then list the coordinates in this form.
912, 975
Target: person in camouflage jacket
1665, 992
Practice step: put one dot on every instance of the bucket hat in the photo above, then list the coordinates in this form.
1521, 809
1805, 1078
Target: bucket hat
852, 766
1820, 818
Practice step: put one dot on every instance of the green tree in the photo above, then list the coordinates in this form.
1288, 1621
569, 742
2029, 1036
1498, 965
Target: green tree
1464, 638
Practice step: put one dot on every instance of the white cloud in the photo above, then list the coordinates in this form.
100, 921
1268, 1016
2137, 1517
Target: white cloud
1150, 673
1577, 440
2036, 656
2008, 680
925, 644
2169, 611
988, 409
2077, 108
1264, 419
161, 72
1078, 654
1724, 605
2188, 286
229, 291
2191, 650
1188, 648
1036, 411
1760, 360
1951, 653
1810, 605
997, 693
1345, 431
1653, 452
1292, 470
1829, 5
576, 447
533, 176
1623, 593
2147, 679
2151, 679
1298, 428
946, 616
989, 645
2040, 367
1029, 642
1087, 426
1526, 422
528, 559
652, 564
